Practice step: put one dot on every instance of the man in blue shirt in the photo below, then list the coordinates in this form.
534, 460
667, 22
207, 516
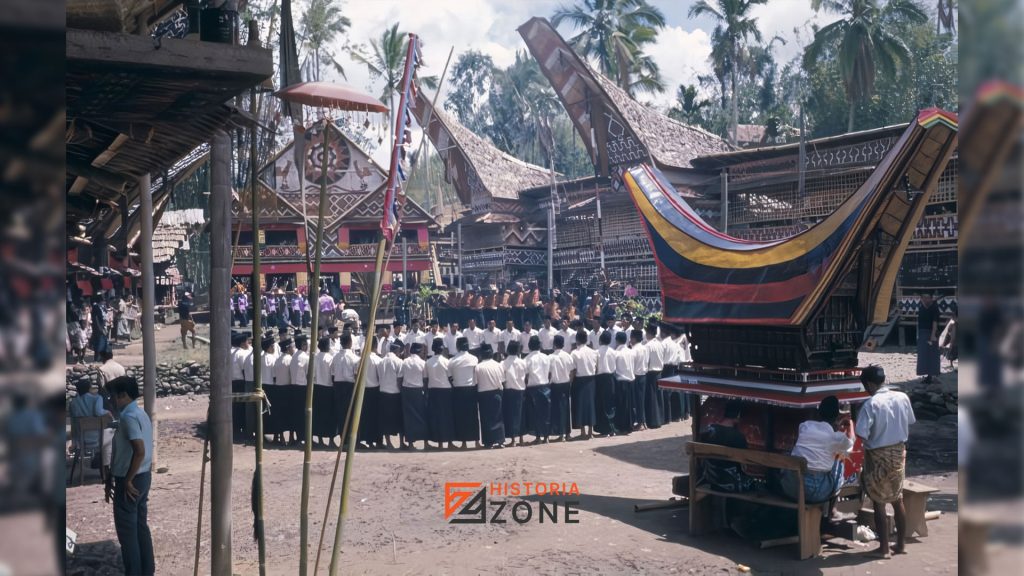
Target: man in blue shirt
131, 477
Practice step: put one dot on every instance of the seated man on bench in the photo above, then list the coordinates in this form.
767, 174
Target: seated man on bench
824, 444
722, 474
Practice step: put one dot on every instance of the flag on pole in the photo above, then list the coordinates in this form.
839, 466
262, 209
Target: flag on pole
394, 193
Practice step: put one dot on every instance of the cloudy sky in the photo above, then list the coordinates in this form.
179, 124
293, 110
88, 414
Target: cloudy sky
490, 26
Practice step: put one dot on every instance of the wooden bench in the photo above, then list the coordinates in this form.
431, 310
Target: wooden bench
808, 514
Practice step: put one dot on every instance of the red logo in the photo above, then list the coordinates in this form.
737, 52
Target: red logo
456, 494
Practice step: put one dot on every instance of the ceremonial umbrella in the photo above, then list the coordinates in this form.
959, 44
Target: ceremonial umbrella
331, 95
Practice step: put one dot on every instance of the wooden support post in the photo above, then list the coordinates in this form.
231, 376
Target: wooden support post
148, 304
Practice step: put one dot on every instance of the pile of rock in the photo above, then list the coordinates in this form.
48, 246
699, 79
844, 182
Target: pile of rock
935, 400
171, 379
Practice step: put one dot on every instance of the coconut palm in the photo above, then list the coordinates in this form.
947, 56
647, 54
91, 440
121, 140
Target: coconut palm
734, 26
864, 40
385, 60
614, 32
322, 23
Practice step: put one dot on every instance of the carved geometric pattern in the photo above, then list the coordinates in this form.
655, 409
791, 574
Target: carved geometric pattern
622, 147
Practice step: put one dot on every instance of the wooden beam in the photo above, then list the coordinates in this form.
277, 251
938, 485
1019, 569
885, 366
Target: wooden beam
100, 176
127, 50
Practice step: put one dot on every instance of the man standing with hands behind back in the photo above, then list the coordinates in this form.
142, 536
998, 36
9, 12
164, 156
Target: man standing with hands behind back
129, 481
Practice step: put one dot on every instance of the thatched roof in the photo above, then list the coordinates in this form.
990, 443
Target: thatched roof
625, 132
173, 230
669, 141
474, 165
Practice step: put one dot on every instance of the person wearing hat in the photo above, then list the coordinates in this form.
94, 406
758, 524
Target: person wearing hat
281, 397
268, 361
187, 324
332, 333
514, 389
538, 392
582, 389
562, 366
299, 375
325, 419
369, 425
625, 382
282, 333
462, 368
414, 398
390, 413
439, 396
604, 386
643, 417
343, 372
241, 367
490, 378
883, 425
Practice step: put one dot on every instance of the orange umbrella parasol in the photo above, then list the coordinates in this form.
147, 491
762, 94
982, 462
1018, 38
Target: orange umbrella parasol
331, 95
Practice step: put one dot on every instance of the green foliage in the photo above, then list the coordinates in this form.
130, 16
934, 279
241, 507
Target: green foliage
613, 33
321, 23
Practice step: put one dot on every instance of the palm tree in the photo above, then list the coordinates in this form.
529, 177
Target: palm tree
864, 41
614, 33
386, 60
322, 22
734, 26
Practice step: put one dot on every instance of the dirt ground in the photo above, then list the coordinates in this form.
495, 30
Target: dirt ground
396, 523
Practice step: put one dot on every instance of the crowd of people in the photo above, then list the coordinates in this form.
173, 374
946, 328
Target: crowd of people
109, 318
451, 387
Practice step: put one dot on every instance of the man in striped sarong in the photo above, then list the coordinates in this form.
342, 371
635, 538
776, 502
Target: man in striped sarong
883, 425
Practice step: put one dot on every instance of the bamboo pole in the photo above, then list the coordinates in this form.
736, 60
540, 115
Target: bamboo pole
311, 369
257, 353
382, 249
202, 490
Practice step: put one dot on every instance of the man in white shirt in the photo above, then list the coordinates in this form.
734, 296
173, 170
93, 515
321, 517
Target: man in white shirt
299, 370
475, 336
655, 404
642, 418
431, 334
280, 397
593, 339
562, 366
390, 422
267, 361
416, 335
451, 337
514, 368
325, 418
462, 368
509, 334
823, 443
538, 391
490, 378
567, 334
547, 336
439, 397
672, 400
624, 384
414, 398
584, 372
525, 336
241, 378
369, 427
883, 424
332, 332
604, 386
491, 335
343, 376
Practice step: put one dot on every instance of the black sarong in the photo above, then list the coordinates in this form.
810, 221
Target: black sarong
274, 419
652, 401
295, 410
512, 406
605, 403
467, 422
538, 410
638, 399
624, 405
342, 398
442, 420
560, 409
237, 408
414, 414
492, 425
369, 419
583, 401
390, 413
325, 419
